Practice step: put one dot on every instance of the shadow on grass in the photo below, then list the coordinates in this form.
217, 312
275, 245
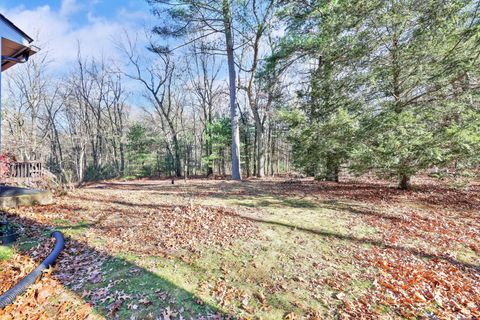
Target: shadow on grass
254, 193
260, 201
214, 188
123, 203
433, 194
368, 241
122, 289
356, 209
427, 194
274, 202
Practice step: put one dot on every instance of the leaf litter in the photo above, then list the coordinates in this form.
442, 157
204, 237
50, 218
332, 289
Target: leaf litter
413, 264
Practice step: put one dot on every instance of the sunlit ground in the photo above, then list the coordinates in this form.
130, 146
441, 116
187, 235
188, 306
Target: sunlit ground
267, 249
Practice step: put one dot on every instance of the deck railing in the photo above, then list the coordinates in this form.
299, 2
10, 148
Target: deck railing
26, 169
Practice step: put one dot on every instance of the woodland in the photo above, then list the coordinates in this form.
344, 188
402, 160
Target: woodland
256, 88
256, 159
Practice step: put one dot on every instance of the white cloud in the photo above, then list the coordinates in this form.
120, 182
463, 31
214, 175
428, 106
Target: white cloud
69, 6
58, 33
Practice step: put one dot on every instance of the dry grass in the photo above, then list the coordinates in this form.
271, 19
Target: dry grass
265, 249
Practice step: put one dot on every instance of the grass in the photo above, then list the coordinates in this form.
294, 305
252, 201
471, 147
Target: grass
281, 253
301, 259
71, 229
467, 255
6, 252
274, 265
149, 291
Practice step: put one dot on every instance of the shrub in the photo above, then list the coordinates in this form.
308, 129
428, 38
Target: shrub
5, 162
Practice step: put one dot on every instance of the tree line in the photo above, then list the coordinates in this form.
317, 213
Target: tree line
84, 126
259, 87
392, 87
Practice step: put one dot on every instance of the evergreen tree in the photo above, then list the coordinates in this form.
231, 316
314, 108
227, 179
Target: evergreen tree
139, 151
323, 34
406, 69
220, 135
418, 54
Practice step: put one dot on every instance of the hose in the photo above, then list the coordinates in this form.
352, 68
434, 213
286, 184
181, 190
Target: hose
9, 296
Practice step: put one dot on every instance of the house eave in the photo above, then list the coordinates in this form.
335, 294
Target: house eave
17, 29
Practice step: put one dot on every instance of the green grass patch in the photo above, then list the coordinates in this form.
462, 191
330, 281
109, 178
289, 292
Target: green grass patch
299, 241
71, 229
467, 255
271, 202
145, 292
6, 252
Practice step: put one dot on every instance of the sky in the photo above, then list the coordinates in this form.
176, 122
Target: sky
59, 25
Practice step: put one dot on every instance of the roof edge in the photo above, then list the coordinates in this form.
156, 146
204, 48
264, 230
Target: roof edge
11, 24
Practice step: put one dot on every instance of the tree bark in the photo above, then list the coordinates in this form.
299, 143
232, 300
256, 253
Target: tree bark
177, 156
260, 149
268, 156
336, 173
246, 143
122, 158
255, 153
405, 183
209, 149
227, 20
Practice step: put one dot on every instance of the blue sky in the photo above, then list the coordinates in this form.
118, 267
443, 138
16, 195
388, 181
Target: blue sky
58, 26
103, 8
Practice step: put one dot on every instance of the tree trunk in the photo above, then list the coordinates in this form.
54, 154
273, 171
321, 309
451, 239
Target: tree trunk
247, 155
255, 153
268, 147
227, 20
224, 164
177, 164
209, 148
336, 173
122, 159
272, 159
260, 149
405, 183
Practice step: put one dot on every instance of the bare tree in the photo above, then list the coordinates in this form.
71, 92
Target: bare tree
156, 79
206, 89
256, 26
27, 88
115, 106
202, 20
93, 108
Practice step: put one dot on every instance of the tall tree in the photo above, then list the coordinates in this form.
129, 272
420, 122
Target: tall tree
319, 40
27, 90
399, 64
418, 53
204, 82
256, 23
198, 20
157, 80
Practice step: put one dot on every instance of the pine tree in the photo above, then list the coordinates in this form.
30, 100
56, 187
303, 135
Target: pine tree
406, 70
322, 35
418, 52
199, 20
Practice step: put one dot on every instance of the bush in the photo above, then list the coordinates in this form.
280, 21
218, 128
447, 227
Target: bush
5, 162
101, 173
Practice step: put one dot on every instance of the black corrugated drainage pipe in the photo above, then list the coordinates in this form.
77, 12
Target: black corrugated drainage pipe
9, 296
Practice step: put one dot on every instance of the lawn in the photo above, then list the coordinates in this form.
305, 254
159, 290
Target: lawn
258, 249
